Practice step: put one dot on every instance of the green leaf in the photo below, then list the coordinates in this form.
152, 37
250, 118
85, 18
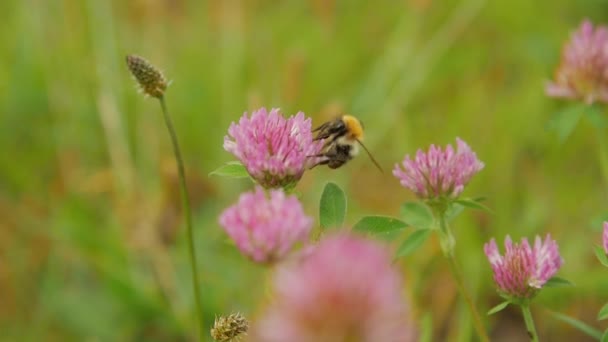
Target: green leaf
564, 121
601, 255
581, 326
379, 225
471, 203
332, 209
498, 308
232, 169
597, 221
453, 211
558, 282
605, 336
596, 116
417, 215
603, 314
413, 242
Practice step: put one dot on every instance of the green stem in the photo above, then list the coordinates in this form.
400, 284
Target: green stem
448, 246
187, 216
529, 322
602, 155
447, 240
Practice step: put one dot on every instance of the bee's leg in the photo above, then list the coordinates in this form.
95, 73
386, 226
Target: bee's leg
339, 156
338, 160
322, 162
322, 127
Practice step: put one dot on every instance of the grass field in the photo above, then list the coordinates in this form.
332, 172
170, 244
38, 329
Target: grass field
92, 245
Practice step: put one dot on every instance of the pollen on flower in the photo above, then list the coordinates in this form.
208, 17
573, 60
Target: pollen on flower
583, 70
523, 270
265, 227
343, 289
276, 151
150, 79
438, 172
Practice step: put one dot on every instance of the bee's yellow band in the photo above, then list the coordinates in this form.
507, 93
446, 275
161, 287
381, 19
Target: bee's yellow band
353, 127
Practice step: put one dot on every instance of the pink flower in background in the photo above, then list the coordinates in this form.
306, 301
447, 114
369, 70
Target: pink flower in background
439, 173
583, 70
343, 289
523, 270
605, 237
276, 151
265, 227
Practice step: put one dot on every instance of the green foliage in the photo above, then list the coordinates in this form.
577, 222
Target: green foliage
87, 202
581, 326
603, 314
332, 208
498, 308
454, 210
473, 204
558, 282
564, 121
596, 116
232, 169
417, 215
601, 255
413, 242
426, 328
379, 225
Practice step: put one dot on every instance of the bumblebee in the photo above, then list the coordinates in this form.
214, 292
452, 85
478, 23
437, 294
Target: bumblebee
342, 138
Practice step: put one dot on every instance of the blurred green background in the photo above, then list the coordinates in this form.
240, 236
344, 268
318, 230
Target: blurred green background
92, 247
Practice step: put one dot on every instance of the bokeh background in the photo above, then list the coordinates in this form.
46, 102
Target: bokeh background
92, 246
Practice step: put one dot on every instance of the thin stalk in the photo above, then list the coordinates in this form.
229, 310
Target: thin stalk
446, 238
602, 155
525, 309
187, 216
449, 253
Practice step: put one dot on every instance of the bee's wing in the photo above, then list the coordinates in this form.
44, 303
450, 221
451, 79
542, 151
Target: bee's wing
324, 131
328, 129
322, 127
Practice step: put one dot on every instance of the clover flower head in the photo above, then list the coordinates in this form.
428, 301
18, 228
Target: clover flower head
265, 227
276, 151
583, 71
439, 173
343, 289
524, 269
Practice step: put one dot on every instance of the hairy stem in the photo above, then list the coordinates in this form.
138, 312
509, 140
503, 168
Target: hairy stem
448, 246
187, 216
529, 323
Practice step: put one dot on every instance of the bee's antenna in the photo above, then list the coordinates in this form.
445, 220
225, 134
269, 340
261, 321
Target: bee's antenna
370, 155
